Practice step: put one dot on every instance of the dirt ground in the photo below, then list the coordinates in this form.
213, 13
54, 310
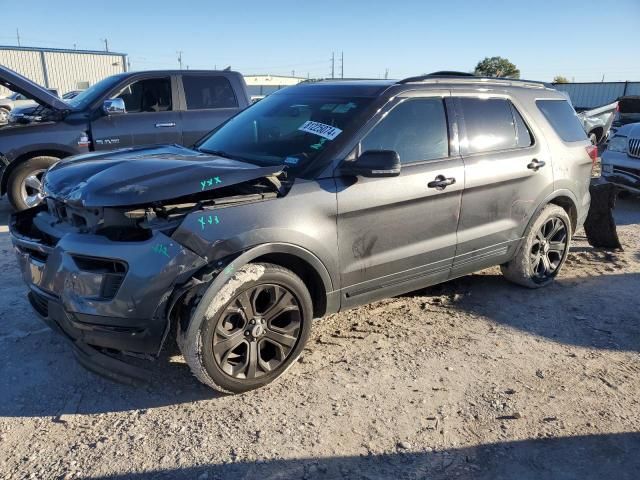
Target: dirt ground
475, 378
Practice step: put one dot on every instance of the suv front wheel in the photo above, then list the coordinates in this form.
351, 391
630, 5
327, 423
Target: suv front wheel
543, 250
24, 187
249, 332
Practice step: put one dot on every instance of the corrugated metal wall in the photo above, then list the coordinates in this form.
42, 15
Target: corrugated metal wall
596, 94
61, 69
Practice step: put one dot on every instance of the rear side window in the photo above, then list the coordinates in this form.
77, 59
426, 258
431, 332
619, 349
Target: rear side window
204, 92
491, 125
563, 119
416, 129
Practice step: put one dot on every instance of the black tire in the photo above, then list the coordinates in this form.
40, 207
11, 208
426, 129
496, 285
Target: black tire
540, 251
16, 188
220, 321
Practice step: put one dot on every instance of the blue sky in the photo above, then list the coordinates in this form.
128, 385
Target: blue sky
578, 39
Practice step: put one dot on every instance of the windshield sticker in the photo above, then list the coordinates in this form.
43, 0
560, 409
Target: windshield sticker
320, 129
344, 107
208, 220
209, 182
319, 145
161, 249
292, 160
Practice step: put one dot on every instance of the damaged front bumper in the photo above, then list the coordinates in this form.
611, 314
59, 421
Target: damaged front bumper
105, 296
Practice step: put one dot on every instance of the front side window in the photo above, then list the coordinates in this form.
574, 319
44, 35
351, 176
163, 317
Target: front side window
416, 129
203, 92
289, 129
149, 95
492, 124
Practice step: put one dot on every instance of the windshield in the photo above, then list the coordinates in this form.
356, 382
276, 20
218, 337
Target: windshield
92, 93
285, 129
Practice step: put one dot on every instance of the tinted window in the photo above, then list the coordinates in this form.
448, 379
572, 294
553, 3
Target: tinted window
416, 129
150, 95
208, 92
489, 124
563, 119
525, 139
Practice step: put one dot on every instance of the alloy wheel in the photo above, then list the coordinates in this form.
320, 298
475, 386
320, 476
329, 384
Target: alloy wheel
257, 331
32, 188
548, 249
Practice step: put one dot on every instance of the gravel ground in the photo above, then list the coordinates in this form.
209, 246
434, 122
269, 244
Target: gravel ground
475, 378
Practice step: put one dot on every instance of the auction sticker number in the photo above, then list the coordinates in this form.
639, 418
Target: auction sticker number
320, 129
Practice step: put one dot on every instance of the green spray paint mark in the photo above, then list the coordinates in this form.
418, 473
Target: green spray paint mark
161, 249
208, 220
319, 145
209, 182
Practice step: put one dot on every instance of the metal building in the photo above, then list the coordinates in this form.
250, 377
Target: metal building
585, 96
61, 69
260, 86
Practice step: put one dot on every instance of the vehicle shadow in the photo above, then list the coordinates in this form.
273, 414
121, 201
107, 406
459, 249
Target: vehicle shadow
596, 311
627, 211
604, 456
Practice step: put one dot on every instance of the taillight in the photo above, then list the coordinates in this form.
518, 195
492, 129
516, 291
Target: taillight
592, 151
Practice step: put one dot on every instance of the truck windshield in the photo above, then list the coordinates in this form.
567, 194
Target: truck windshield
285, 129
91, 94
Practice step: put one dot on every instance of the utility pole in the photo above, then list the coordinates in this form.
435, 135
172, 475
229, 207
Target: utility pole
342, 64
106, 44
18, 36
293, 73
333, 65
386, 73
179, 52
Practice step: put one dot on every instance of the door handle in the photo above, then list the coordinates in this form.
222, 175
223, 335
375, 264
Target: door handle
536, 164
165, 125
441, 182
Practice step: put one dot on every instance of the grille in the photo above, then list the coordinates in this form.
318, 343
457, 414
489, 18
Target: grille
631, 171
39, 303
634, 147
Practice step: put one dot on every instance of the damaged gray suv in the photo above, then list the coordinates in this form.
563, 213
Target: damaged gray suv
319, 198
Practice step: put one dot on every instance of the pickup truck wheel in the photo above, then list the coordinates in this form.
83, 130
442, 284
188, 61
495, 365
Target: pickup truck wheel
543, 251
249, 332
4, 116
24, 187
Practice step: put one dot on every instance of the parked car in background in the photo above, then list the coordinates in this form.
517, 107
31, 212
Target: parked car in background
17, 100
597, 122
124, 110
320, 197
621, 159
628, 112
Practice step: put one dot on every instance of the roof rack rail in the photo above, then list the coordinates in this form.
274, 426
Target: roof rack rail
442, 73
470, 76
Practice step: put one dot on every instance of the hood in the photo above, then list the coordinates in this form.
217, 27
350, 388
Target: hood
631, 130
138, 176
17, 83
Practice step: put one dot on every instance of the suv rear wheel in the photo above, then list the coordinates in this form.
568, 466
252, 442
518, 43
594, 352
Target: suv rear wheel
543, 250
249, 332
24, 187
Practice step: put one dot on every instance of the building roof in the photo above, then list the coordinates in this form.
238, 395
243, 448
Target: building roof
59, 50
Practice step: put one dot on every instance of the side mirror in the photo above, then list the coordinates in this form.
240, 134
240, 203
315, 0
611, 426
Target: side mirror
114, 106
373, 163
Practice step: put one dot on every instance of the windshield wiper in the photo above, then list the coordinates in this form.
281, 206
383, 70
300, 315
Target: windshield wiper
220, 153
